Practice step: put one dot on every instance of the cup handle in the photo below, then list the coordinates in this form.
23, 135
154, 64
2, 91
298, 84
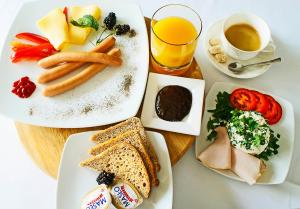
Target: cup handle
270, 47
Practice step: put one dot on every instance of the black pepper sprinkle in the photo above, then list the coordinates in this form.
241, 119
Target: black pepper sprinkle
30, 112
126, 84
88, 108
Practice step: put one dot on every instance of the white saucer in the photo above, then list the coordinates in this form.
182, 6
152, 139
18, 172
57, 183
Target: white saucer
214, 31
192, 122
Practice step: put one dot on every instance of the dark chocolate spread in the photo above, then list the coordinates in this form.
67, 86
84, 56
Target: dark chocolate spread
173, 103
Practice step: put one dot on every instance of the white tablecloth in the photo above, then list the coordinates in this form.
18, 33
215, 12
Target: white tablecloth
24, 186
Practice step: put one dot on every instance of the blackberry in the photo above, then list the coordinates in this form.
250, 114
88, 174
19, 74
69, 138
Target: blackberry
122, 29
110, 21
132, 33
105, 178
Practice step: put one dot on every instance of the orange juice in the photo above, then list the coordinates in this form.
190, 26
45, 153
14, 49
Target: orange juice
174, 41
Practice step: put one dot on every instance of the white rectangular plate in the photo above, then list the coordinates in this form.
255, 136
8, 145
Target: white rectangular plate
278, 165
192, 122
102, 99
74, 181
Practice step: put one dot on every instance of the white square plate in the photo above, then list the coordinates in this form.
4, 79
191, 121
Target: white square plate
103, 95
74, 181
278, 165
192, 122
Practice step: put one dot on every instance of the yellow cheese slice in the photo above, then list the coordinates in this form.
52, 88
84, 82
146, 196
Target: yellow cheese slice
79, 35
54, 26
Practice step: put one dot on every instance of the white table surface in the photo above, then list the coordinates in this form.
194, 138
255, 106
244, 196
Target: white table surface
24, 186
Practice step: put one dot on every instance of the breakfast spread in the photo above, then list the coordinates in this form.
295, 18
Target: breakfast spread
240, 127
121, 153
98, 198
242, 134
173, 103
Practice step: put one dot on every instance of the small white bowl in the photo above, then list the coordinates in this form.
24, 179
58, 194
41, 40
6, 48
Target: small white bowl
192, 122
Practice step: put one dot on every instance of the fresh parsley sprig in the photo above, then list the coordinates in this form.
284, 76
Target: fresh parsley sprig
272, 148
220, 115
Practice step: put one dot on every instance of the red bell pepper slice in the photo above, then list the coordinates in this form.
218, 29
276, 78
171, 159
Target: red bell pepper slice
15, 46
65, 11
33, 53
33, 38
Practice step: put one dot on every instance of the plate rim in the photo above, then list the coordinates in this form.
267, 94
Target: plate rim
292, 141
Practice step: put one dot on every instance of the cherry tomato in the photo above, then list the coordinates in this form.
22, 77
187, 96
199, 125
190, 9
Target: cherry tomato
274, 112
243, 99
261, 102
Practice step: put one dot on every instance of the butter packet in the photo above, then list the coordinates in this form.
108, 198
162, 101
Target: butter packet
125, 195
98, 198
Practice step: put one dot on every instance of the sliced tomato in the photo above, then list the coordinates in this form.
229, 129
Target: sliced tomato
274, 112
261, 102
243, 99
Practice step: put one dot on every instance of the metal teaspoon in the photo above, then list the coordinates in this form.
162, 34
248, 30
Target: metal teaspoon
237, 67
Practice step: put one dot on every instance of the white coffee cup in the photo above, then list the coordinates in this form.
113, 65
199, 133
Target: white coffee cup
256, 22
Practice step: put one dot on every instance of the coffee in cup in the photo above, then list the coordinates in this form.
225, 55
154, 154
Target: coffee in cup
244, 35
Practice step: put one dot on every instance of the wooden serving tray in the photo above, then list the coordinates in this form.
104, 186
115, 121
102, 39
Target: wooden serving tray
45, 145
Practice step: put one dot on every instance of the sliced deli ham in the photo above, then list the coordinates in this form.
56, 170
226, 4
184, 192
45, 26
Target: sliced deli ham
246, 166
218, 154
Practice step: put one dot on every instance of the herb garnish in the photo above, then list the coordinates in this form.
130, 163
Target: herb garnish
220, 115
272, 148
224, 112
85, 22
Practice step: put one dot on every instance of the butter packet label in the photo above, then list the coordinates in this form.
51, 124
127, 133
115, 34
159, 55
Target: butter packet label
99, 198
125, 196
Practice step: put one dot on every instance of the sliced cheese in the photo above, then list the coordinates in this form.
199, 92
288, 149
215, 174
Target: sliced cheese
218, 154
79, 35
54, 26
246, 166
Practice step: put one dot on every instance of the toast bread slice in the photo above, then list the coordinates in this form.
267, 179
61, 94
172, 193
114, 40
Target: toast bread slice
125, 162
133, 138
133, 123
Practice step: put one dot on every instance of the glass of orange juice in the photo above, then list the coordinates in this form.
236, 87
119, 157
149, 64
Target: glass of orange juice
175, 29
